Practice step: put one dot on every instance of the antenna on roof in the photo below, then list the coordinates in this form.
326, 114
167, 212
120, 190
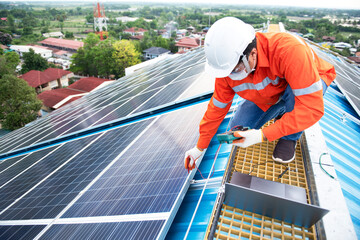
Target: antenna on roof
100, 24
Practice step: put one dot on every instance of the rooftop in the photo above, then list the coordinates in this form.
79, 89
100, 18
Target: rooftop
156, 50
188, 42
37, 78
64, 43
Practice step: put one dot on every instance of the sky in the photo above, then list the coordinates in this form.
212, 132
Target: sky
343, 4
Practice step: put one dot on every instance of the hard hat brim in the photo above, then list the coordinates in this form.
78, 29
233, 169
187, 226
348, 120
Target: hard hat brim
218, 73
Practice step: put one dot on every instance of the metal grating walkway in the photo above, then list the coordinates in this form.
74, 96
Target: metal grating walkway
256, 160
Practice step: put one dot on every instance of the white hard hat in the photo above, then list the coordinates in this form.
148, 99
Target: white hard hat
225, 42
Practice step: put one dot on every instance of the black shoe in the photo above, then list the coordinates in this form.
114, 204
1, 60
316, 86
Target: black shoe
284, 151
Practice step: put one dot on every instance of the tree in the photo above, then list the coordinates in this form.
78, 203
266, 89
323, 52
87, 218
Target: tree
27, 30
69, 35
5, 38
8, 63
33, 61
18, 102
124, 56
12, 59
11, 22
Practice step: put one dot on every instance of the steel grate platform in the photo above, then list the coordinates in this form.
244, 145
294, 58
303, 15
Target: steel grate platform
256, 160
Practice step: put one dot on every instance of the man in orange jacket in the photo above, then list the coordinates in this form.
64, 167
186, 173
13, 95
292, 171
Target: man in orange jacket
277, 74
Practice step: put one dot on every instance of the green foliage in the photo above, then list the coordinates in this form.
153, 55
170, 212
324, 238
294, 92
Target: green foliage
11, 22
27, 31
12, 59
5, 38
33, 61
104, 58
18, 102
8, 63
346, 52
124, 56
69, 35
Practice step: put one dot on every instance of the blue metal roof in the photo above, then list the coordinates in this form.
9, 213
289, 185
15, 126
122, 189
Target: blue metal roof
341, 128
202, 217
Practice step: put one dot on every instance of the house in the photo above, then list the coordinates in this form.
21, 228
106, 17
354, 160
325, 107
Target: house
62, 44
3, 19
309, 35
154, 52
53, 35
134, 31
51, 78
342, 45
3, 47
126, 19
90, 84
355, 59
53, 99
21, 49
181, 33
56, 98
187, 43
137, 37
328, 38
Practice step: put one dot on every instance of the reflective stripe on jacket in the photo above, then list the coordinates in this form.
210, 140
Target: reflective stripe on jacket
282, 59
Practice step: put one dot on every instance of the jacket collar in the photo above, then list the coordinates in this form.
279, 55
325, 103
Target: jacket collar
263, 60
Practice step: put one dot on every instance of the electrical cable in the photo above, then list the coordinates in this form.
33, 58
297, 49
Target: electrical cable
322, 166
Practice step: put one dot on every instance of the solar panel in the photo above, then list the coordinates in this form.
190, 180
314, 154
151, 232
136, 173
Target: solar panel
134, 90
109, 180
347, 79
20, 232
51, 196
117, 230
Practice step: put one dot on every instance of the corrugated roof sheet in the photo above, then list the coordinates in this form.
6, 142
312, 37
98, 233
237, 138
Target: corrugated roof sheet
341, 128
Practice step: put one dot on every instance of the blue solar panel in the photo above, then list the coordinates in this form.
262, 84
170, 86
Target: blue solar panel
149, 176
122, 230
135, 91
20, 232
20, 163
135, 170
27, 179
53, 195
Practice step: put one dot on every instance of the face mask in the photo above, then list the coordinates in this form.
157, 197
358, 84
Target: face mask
239, 75
242, 74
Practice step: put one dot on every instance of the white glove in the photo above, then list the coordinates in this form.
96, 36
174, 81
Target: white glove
248, 138
191, 156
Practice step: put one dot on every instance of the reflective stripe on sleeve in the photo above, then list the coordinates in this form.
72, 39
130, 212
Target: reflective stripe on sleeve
258, 86
219, 104
317, 86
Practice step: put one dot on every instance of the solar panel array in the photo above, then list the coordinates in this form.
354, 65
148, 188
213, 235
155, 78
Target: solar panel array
148, 88
124, 182
347, 77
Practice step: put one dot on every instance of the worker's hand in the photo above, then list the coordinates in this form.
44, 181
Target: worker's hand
191, 156
248, 138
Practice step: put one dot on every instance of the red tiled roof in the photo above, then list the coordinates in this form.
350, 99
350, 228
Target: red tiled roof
187, 42
63, 43
36, 78
135, 30
355, 59
87, 84
52, 97
137, 37
56, 73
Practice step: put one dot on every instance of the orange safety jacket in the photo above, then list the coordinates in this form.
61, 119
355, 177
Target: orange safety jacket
282, 59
